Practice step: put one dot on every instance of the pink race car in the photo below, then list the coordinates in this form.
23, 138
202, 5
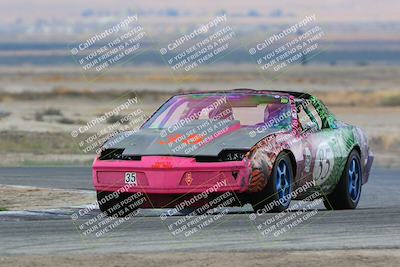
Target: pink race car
216, 149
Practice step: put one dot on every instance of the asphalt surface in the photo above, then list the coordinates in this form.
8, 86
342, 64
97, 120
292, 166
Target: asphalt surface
374, 224
48, 177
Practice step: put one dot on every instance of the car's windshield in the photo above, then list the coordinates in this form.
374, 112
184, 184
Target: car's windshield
250, 110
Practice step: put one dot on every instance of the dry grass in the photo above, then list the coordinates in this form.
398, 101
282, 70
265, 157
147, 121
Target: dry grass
64, 92
38, 143
330, 98
366, 99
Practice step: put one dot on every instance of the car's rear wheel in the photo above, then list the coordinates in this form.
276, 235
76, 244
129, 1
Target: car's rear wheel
276, 196
348, 191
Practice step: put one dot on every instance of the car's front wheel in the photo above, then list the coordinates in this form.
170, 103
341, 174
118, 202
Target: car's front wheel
276, 196
348, 191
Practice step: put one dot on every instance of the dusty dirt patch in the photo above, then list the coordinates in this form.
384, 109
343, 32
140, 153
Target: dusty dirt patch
28, 198
334, 258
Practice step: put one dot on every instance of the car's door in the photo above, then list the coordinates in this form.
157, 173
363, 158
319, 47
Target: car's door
339, 137
321, 148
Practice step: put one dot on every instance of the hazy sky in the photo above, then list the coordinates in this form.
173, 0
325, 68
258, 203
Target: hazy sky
326, 10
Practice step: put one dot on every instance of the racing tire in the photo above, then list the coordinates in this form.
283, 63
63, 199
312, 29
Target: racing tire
276, 195
112, 204
347, 192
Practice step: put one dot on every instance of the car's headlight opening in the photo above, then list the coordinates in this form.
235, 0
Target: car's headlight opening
225, 155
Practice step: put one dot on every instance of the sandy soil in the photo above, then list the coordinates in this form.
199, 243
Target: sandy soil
31, 198
217, 77
353, 258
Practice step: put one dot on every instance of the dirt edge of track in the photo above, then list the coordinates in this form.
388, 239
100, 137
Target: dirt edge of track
368, 257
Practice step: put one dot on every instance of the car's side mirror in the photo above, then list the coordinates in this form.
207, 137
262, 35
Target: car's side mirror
310, 126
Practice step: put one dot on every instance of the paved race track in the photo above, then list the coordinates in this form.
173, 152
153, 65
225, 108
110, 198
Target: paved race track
51, 177
375, 224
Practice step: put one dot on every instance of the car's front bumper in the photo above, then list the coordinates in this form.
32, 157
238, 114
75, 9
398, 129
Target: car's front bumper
171, 175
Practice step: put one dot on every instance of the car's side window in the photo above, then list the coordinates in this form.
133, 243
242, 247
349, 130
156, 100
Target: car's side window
306, 120
327, 118
315, 115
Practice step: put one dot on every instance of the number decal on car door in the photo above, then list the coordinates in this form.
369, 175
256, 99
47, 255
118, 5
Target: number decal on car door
324, 162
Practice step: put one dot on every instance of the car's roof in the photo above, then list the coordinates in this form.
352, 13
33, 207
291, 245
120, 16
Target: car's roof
296, 94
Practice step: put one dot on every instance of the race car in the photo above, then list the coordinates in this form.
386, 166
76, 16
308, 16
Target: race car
261, 147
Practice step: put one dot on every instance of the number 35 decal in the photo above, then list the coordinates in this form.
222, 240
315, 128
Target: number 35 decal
324, 162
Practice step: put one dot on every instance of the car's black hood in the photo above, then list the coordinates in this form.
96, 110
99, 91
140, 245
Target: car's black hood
231, 136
